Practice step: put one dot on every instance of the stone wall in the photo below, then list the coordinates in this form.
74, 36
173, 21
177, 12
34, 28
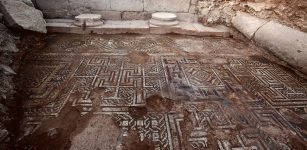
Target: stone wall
114, 9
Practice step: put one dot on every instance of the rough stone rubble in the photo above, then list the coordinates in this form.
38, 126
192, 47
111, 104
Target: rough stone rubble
19, 14
7, 50
290, 13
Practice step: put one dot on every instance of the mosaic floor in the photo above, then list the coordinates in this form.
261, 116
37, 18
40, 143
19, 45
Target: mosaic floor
159, 92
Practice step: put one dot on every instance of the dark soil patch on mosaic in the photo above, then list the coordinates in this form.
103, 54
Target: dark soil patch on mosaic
56, 131
137, 57
159, 104
137, 111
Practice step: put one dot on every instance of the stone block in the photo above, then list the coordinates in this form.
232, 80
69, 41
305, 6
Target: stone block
247, 24
197, 29
77, 7
50, 14
52, 4
163, 30
288, 44
63, 26
192, 9
128, 15
187, 17
167, 5
76, 3
78, 11
127, 5
186, 28
194, 2
109, 15
98, 4
120, 27
59, 27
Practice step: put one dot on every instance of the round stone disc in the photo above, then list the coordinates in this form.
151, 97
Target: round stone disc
88, 17
163, 16
163, 23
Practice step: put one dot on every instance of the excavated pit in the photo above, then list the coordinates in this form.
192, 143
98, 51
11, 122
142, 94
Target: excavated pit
157, 92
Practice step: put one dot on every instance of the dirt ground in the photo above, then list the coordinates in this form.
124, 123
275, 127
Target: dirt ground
292, 13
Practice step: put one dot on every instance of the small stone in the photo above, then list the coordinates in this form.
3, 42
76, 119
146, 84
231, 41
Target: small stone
3, 109
119, 147
256, 6
7, 42
3, 134
205, 11
213, 16
6, 69
52, 132
1, 17
3, 96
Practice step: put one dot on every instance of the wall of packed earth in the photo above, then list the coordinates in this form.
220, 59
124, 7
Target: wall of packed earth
292, 13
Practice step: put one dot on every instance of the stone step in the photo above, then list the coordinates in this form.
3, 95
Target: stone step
138, 27
90, 20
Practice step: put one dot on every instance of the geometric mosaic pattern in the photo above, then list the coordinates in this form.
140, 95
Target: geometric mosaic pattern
278, 87
223, 105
